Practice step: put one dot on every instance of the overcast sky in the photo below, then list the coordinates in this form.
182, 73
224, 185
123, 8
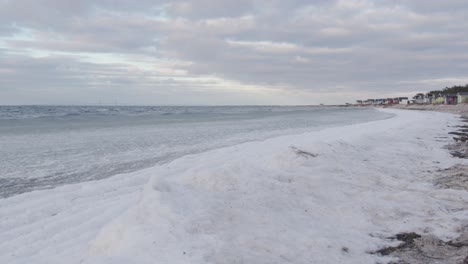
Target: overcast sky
228, 52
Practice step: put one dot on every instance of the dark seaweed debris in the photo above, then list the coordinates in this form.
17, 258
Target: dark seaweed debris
427, 249
406, 238
459, 148
303, 153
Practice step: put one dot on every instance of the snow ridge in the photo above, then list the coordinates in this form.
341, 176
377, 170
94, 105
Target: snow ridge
263, 202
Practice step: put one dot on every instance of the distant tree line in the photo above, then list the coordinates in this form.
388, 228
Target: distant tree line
451, 90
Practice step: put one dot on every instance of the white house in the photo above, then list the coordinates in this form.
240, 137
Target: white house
462, 97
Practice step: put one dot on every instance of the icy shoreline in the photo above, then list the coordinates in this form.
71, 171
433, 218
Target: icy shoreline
329, 196
81, 144
461, 109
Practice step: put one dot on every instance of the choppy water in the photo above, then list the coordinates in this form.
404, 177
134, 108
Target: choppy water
48, 146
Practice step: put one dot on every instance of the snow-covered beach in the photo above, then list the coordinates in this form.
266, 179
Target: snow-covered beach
329, 196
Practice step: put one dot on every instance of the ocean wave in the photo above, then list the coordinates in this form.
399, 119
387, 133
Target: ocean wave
28, 112
51, 151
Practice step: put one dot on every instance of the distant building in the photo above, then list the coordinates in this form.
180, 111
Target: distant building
418, 98
403, 100
429, 98
379, 101
450, 99
462, 97
438, 99
421, 98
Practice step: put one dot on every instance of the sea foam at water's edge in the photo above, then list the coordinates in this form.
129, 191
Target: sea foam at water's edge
328, 196
48, 146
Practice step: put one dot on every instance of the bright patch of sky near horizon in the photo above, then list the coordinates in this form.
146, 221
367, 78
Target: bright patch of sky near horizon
210, 52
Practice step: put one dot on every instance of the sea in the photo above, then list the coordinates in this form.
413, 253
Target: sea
42, 147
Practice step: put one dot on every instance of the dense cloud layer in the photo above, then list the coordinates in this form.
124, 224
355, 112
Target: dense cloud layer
228, 52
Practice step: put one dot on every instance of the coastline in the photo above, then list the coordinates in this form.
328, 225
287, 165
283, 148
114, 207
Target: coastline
460, 109
296, 198
421, 248
459, 133
329, 196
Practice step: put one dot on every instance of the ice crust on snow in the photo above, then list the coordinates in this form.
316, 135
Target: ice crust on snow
257, 202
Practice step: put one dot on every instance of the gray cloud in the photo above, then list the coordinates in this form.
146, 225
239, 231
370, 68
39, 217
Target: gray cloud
338, 48
65, 80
